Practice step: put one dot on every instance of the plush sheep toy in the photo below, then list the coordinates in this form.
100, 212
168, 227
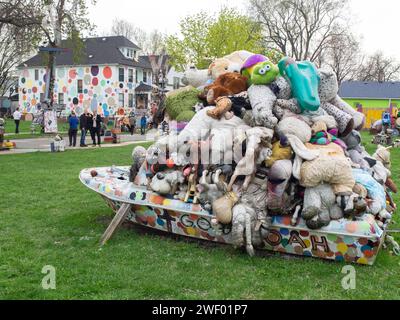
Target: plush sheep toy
279, 177
250, 214
138, 157
166, 183
376, 193
356, 151
331, 166
315, 164
196, 78
320, 206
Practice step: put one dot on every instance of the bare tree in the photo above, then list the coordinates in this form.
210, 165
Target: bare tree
124, 28
14, 48
343, 54
20, 13
156, 43
150, 43
299, 28
50, 20
377, 67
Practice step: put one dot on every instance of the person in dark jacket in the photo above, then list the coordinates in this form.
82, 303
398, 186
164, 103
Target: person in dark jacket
132, 123
95, 122
143, 125
83, 124
73, 129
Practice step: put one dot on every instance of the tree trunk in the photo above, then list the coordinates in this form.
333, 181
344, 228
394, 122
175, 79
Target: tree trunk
51, 74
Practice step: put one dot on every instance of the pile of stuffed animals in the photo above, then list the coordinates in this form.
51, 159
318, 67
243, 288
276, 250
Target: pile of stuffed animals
298, 142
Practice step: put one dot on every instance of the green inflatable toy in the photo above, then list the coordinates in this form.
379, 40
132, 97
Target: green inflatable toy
304, 79
259, 70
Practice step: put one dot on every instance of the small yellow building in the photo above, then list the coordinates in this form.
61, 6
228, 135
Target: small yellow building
372, 98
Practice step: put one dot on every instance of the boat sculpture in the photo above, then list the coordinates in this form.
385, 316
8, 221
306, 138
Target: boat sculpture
344, 241
308, 188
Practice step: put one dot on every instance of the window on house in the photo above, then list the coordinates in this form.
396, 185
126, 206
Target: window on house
80, 86
36, 75
121, 74
130, 103
144, 76
130, 75
121, 100
177, 82
137, 76
134, 54
61, 99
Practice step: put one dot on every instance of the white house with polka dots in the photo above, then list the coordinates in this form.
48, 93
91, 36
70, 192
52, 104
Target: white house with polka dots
106, 77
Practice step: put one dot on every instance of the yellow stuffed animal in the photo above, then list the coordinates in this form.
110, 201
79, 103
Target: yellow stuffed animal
281, 150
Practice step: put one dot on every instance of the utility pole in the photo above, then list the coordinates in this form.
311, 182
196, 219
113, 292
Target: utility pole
52, 24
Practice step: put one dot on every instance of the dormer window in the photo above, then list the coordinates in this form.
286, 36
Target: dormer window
129, 53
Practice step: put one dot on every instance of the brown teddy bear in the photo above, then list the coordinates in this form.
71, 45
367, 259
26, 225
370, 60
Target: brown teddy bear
226, 85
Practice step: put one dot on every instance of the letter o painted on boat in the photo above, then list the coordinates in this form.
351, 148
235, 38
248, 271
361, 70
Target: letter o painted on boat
204, 224
185, 220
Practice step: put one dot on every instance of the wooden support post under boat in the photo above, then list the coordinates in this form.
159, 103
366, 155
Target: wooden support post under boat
115, 223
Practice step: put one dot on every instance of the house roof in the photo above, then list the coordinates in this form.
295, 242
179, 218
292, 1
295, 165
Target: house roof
101, 50
154, 61
370, 90
145, 61
142, 87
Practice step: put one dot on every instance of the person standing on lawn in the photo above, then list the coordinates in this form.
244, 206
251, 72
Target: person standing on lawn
17, 118
96, 128
132, 123
83, 124
89, 119
73, 129
143, 124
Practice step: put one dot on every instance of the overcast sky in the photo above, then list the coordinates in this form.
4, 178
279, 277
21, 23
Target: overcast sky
377, 21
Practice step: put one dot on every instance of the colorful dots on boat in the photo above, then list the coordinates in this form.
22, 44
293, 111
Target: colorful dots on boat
342, 247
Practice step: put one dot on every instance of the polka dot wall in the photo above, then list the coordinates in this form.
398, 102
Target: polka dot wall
79, 88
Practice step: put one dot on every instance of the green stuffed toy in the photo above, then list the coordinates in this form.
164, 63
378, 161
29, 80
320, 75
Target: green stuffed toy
180, 104
261, 74
259, 70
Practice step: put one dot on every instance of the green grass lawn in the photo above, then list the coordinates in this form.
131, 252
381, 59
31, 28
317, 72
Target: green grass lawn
24, 126
25, 130
48, 217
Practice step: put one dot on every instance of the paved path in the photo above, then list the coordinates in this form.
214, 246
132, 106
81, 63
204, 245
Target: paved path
43, 144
